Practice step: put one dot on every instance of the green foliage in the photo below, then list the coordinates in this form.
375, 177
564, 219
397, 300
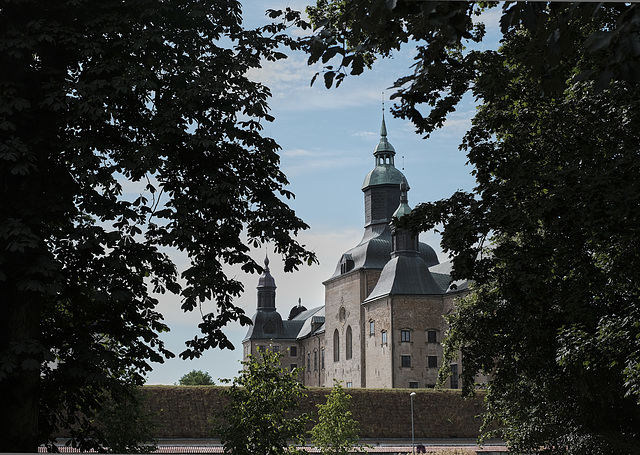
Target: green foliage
549, 236
260, 417
196, 377
128, 131
349, 34
126, 426
336, 432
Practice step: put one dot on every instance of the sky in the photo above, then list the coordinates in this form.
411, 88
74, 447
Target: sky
327, 139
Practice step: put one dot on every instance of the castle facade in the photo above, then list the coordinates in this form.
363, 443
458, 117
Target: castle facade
383, 321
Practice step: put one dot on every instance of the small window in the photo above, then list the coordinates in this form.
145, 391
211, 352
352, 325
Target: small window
315, 360
454, 376
349, 385
346, 263
405, 336
260, 348
276, 348
413, 384
372, 327
405, 361
432, 361
384, 337
308, 361
349, 341
322, 358
431, 336
336, 346
293, 351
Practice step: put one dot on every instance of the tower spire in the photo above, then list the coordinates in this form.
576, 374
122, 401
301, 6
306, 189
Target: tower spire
384, 151
266, 289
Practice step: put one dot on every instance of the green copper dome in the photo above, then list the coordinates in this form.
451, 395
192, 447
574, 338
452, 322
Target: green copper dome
403, 208
385, 172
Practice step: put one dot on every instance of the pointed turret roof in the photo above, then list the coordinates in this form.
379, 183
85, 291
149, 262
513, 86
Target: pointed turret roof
385, 172
403, 209
384, 146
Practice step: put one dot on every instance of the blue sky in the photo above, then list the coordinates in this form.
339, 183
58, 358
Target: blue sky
327, 139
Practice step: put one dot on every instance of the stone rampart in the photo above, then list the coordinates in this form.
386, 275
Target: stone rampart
188, 412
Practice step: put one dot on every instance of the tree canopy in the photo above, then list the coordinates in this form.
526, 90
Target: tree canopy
549, 235
258, 418
128, 130
196, 377
336, 432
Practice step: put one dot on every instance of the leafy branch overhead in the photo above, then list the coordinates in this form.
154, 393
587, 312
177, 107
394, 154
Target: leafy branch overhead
129, 131
549, 235
350, 34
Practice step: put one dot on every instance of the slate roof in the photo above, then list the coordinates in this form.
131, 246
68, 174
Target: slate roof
405, 275
374, 250
442, 273
267, 325
309, 322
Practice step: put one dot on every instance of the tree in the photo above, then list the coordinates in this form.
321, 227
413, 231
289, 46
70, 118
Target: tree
336, 432
549, 235
196, 377
258, 418
128, 130
127, 426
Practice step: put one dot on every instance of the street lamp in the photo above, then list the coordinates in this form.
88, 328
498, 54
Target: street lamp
413, 446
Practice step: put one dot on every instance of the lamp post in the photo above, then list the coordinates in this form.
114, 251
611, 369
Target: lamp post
413, 446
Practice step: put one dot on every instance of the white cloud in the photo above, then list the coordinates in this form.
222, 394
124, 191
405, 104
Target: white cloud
296, 153
366, 134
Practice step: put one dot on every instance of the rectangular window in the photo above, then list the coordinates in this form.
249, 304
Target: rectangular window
432, 361
322, 358
372, 328
349, 385
405, 336
276, 349
406, 361
315, 360
260, 348
384, 338
308, 361
293, 351
454, 376
413, 384
431, 336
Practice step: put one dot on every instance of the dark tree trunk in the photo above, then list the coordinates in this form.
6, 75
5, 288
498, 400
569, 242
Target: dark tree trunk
19, 389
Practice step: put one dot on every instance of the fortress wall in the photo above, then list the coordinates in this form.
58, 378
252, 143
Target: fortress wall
188, 412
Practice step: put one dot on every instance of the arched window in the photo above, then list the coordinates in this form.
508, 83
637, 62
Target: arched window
348, 349
336, 346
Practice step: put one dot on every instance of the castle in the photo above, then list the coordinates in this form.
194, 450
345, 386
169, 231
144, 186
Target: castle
383, 319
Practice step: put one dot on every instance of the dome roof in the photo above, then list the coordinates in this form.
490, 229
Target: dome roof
403, 209
383, 174
266, 280
266, 325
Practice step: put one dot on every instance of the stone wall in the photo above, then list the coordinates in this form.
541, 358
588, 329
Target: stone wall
188, 412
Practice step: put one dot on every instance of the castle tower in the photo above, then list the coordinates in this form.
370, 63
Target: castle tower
267, 322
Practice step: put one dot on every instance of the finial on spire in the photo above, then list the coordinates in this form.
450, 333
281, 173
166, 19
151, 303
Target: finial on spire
299, 301
383, 128
266, 260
